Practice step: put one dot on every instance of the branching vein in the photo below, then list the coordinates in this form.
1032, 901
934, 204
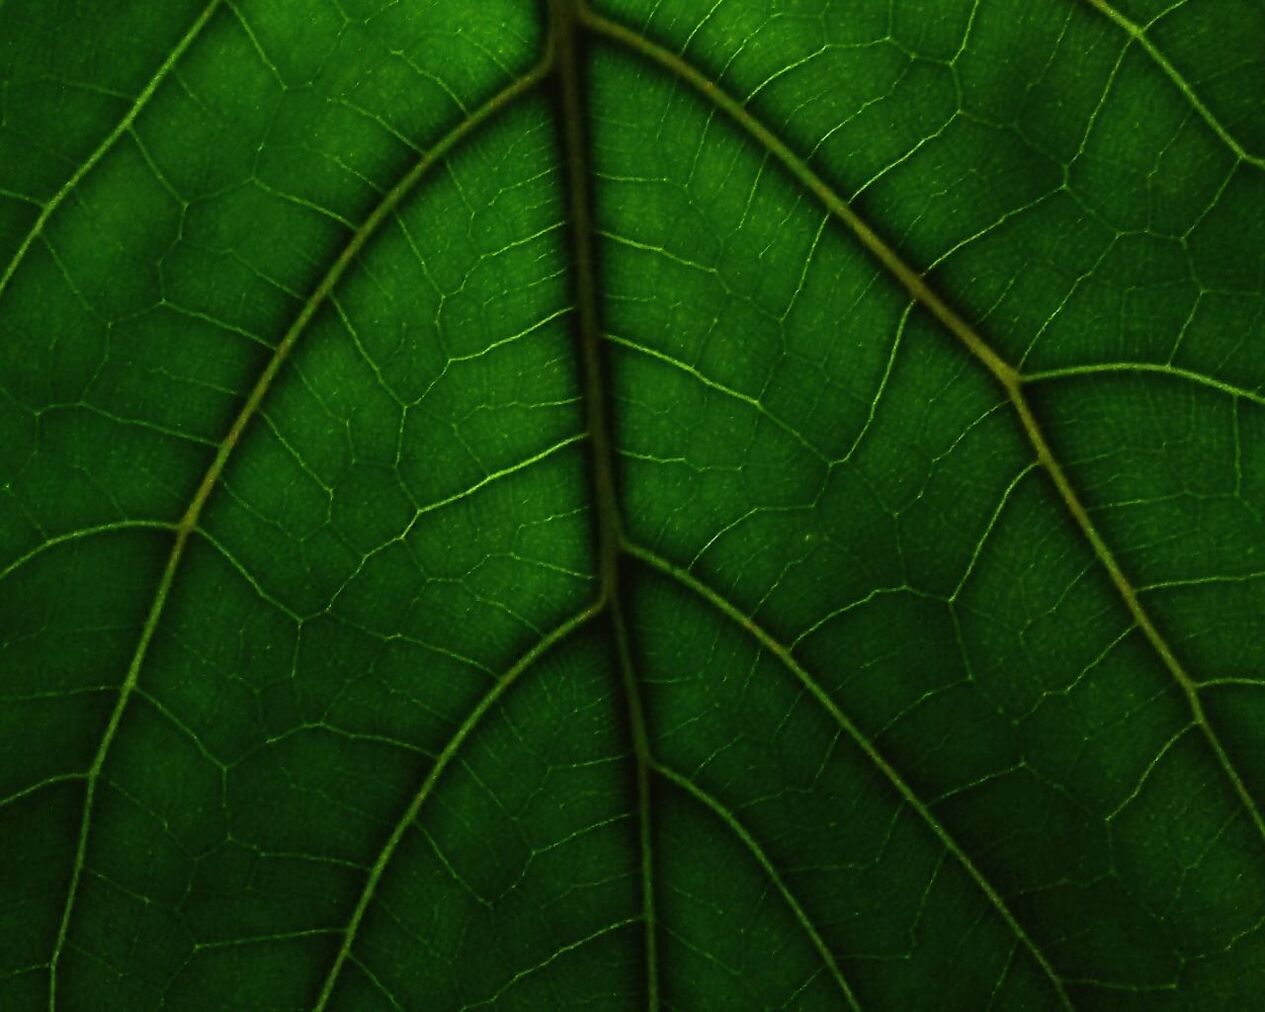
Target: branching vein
112, 138
1007, 375
189, 521
827, 703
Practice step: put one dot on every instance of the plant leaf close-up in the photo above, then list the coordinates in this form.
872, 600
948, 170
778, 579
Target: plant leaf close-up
632, 504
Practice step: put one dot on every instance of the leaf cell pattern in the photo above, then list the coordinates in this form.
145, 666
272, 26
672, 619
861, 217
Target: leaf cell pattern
632, 504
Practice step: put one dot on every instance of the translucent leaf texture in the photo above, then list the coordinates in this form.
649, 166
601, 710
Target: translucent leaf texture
718, 504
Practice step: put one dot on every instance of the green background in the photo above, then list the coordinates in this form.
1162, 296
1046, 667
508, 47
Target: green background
542, 555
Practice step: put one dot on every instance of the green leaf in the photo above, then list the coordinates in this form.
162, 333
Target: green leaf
693, 505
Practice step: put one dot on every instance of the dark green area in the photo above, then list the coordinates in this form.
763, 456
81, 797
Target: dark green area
686, 505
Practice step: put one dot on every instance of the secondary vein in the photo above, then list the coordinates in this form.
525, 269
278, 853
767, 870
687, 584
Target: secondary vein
725, 815
858, 737
188, 522
112, 138
1138, 34
1007, 375
473, 718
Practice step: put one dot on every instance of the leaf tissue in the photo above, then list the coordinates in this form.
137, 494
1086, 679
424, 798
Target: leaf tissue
624, 504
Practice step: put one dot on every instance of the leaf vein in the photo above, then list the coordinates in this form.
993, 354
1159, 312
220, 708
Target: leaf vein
814, 688
122, 127
1002, 371
721, 811
189, 521
446, 755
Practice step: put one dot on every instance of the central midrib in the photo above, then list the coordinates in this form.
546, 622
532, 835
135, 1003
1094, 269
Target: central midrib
571, 101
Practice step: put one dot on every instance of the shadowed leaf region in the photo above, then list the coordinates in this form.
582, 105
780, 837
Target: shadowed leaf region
612, 504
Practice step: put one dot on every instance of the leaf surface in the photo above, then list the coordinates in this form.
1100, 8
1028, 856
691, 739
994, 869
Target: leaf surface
653, 505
